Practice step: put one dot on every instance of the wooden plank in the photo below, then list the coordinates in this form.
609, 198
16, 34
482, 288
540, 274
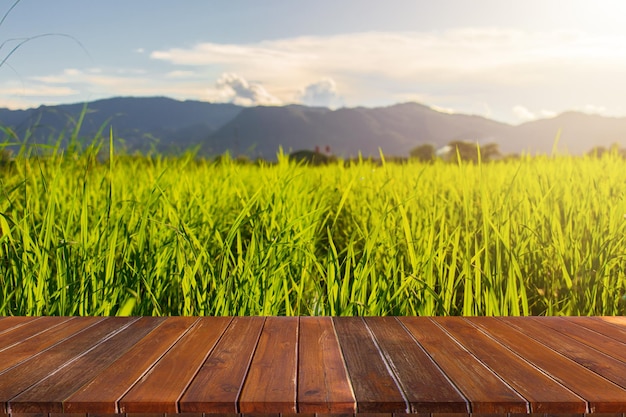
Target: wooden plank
323, 384
106, 415
608, 326
544, 394
102, 393
8, 324
375, 388
28, 415
619, 321
25, 330
425, 385
33, 346
484, 389
600, 363
19, 378
48, 395
602, 395
67, 415
218, 383
177, 367
586, 335
271, 382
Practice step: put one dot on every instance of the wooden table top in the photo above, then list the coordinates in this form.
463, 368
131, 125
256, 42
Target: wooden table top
103, 365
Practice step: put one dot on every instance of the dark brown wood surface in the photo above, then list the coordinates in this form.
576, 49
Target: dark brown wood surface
271, 366
48, 394
544, 394
323, 385
160, 389
217, 385
101, 394
602, 395
425, 385
375, 388
270, 385
483, 388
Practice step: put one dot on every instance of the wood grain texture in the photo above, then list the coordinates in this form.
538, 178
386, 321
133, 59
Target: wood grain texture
609, 367
426, 387
484, 389
614, 327
323, 384
602, 395
20, 377
31, 347
217, 385
101, 394
586, 335
160, 389
271, 382
312, 366
375, 388
17, 331
25, 331
544, 394
49, 393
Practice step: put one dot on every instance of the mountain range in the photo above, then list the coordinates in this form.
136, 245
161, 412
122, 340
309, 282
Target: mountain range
159, 124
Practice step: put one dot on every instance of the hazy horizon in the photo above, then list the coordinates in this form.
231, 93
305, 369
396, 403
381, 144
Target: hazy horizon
510, 62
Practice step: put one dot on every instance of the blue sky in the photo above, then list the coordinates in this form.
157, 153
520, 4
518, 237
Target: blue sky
512, 61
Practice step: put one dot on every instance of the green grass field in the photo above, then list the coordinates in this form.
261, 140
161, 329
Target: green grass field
177, 236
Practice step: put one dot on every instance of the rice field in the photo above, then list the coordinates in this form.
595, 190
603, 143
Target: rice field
180, 236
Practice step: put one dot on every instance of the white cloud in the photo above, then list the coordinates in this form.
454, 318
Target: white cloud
478, 71
180, 74
41, 91
546, 114
97, 82
523, 114
448, 110
14, 104
322, 93
236, 89
495, 66
592, 109
438, 55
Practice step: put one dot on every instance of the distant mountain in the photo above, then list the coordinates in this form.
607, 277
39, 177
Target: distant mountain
259, 131
139, 123
579, 133
171, 126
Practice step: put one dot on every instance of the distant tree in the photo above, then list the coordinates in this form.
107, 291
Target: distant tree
6, 157
243, 160
311, 157
490, 151
425, 153
468, 151
465, 151
597, 151
618, 150
614, 149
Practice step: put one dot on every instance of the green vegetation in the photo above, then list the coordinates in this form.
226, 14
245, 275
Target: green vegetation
83, 235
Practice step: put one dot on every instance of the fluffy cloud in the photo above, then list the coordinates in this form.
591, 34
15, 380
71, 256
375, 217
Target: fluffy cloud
322, 93
592, 109
523, 114
101, 82
479, 71
454, 68
236, 89
438, 55
41, 91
